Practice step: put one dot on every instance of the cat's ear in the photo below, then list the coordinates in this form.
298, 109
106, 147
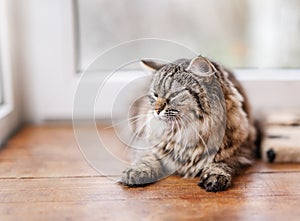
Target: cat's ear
152, 65
200, 66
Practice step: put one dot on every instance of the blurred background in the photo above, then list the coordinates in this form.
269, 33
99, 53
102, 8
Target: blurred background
45, 46
241, 34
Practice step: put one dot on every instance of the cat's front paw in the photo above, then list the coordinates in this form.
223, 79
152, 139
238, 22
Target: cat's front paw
135, 177
214, 182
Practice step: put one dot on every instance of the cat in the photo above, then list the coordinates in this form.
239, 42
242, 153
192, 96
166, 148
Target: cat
197, 99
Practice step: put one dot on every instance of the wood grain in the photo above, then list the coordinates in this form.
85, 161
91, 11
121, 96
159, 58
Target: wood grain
43, 176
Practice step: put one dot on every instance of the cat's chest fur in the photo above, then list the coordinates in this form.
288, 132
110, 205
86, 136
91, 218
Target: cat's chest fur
183, 148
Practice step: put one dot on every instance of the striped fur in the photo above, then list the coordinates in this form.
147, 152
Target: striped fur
209, 129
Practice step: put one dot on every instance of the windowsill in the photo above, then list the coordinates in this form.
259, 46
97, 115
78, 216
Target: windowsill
267, 89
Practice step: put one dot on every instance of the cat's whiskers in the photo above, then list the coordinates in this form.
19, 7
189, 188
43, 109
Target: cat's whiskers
135, 118
172, 119
136, 134
140, 118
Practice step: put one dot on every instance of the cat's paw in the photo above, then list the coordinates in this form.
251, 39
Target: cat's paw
214, 182
135, 177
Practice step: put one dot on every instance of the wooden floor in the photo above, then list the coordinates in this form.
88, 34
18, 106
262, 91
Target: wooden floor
43, 176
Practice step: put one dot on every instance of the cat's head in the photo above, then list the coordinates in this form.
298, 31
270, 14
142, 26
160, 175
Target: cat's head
177, 93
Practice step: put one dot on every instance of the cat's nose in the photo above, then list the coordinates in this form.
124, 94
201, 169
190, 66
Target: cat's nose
160, 105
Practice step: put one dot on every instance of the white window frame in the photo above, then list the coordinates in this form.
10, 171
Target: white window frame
7, 106
60, 78
9, 115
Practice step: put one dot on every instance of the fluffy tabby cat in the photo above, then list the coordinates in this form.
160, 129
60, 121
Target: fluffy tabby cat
181, 95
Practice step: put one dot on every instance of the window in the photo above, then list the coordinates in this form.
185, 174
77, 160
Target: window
240, 34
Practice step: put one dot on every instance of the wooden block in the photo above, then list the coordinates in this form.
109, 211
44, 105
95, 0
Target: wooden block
281, 144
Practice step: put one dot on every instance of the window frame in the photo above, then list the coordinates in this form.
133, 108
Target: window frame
9, 110
7, 106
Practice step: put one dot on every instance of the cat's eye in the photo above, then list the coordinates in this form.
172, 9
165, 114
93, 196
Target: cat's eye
151, 98
155, 94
